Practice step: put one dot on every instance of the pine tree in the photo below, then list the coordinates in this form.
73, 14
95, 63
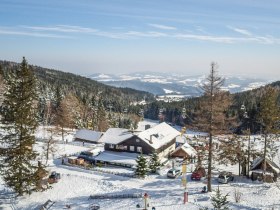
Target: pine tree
154, 163
142, 167
19, 123
219, 201
210, 115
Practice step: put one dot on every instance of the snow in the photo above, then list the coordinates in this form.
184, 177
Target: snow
142, 124
115, 136
188, 149
233, 86
159, 135
77, 184
88, 135
118, 157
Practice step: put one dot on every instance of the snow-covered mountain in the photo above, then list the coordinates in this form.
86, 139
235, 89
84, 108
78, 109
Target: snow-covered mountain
165, 84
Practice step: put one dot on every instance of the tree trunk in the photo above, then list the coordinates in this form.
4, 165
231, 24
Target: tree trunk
209, 187
264, 156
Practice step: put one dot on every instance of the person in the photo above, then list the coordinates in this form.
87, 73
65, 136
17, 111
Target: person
83, 143
204, 189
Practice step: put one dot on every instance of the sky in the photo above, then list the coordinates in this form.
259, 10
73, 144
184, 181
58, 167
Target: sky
124, 36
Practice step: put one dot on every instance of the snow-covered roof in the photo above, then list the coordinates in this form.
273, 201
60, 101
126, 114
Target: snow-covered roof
118, 157
188, 149
160, 135
88, 135
115, 136
258, 160
181, 139
146, 122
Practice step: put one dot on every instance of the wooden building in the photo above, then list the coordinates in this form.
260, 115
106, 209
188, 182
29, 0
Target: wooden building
159, 139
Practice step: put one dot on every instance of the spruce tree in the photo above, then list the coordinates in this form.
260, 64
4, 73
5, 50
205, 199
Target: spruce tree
154, 163
142, 167
18, 167
219, 201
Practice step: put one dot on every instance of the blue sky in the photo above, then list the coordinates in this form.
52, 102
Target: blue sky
122, 36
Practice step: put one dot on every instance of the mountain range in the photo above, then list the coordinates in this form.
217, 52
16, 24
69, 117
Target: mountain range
170, 84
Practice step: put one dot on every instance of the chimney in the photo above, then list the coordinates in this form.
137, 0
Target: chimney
151, 139
147, 126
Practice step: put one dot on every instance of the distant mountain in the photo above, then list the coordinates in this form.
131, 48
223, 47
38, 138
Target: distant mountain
166, 84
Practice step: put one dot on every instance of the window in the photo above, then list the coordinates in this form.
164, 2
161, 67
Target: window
137, 140
131, 148
111, 146
122, 147
139, 149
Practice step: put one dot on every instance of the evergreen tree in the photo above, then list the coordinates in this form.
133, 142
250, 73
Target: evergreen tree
219, 201
142, 167
154, 163
19, 123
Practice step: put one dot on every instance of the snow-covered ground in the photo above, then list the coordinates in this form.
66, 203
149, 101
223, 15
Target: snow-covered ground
77, 184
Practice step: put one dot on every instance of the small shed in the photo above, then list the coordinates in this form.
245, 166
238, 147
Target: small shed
88, 136
269, 175
184, 151
72, 160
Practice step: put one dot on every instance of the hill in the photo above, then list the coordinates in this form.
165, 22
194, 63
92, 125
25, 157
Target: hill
83, 87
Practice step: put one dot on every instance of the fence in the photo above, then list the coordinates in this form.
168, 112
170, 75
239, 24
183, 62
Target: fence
116, 196
131, 175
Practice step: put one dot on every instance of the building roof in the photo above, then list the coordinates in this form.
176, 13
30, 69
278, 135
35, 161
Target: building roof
88, 135
259, 160
118, 157
188, 149
160, 135
181, 139
115, 136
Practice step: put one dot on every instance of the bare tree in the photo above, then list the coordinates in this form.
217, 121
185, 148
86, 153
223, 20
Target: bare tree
68, 113
2, 86
211, 112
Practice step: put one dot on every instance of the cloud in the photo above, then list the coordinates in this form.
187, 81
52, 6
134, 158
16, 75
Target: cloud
68, 31
146, 34
229, 39
163, 27
241, 31
33, 34
61, 28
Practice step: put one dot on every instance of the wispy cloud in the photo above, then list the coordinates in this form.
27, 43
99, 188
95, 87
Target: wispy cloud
230, 39
146, 34
241, 31
68, 31
5, 31
163, 27
62, 28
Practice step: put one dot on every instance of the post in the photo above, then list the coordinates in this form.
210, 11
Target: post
185, 196
184, 180
249, 147
146, 201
